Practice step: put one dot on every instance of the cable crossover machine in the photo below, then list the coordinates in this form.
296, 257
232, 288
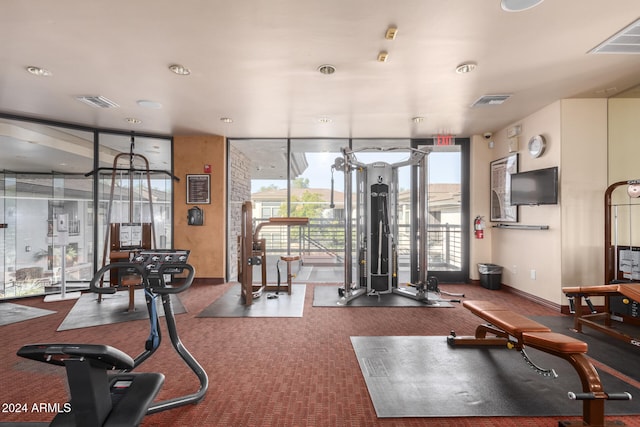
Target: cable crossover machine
377, 229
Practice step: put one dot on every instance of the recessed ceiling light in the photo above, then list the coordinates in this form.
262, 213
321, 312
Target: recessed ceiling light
181, 70
418, 119
325, 120
149, 104
327, 69
133, 121
226, 120
518, 5
37, 71
466, 67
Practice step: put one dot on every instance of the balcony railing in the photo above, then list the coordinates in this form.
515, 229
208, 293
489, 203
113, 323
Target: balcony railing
322, 241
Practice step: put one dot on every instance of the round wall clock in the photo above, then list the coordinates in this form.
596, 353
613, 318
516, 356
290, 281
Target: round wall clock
537, 145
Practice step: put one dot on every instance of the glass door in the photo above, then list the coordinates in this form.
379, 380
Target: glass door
448, 211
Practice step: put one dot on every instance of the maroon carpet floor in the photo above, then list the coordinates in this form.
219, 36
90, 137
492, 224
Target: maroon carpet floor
262, 371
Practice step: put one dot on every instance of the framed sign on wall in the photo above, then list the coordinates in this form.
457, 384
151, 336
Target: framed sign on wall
198, 189
501, 170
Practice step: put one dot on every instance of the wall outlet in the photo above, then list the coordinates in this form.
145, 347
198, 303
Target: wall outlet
515, 269
533, 275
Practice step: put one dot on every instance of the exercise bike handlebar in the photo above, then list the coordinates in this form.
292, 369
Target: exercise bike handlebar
144, 274
110, 289
175, 290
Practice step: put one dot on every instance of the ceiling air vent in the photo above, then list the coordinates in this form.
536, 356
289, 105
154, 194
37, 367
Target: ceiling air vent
626, 40
97, 101
490, 100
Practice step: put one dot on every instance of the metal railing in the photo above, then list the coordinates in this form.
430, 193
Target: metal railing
323, 239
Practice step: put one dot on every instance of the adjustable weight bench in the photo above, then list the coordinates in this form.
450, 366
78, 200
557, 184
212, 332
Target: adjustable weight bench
600, 321
515, 331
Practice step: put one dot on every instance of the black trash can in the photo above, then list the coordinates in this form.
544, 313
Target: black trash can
490, 276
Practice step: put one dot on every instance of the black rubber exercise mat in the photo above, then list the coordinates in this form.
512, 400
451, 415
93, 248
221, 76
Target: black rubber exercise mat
113, 308
416, 376
328, 296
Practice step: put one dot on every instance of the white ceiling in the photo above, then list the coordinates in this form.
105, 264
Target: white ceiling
256, 62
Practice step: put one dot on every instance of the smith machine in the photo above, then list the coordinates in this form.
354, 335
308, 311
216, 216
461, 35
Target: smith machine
377, 229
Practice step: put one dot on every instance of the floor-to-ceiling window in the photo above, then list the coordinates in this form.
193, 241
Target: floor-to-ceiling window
313, 195
294, 178
42, 179
49, 224
289, 178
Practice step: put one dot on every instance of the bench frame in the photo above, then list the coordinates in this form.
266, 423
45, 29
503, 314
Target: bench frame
513, 331
600, 320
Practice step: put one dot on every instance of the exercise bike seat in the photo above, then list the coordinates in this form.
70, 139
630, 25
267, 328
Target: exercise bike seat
100, 356
99, 398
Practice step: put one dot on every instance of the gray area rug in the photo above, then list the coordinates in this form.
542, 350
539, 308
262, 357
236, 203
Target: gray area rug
416, 376
327, 296
13, 313
231, 304
88, 312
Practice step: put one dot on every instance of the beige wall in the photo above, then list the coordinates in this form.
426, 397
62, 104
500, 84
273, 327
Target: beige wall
624, 139
481, 156
208, 242
540, 262
584, 181
624, 152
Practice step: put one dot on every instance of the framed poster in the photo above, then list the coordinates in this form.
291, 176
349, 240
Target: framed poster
501, 170
198, 189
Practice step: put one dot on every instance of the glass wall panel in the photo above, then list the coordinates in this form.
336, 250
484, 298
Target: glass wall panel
259, 170
42, 173
445, 209
317, 193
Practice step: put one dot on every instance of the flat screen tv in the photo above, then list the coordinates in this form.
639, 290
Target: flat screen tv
536, 187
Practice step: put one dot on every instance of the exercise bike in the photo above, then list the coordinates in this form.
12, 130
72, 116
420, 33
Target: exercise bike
104, 391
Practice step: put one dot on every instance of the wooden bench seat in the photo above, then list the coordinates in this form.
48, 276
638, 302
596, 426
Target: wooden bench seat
552, 342
513, 330
512, 323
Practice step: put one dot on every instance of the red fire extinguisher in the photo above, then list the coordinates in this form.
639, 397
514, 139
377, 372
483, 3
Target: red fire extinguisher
478, 227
